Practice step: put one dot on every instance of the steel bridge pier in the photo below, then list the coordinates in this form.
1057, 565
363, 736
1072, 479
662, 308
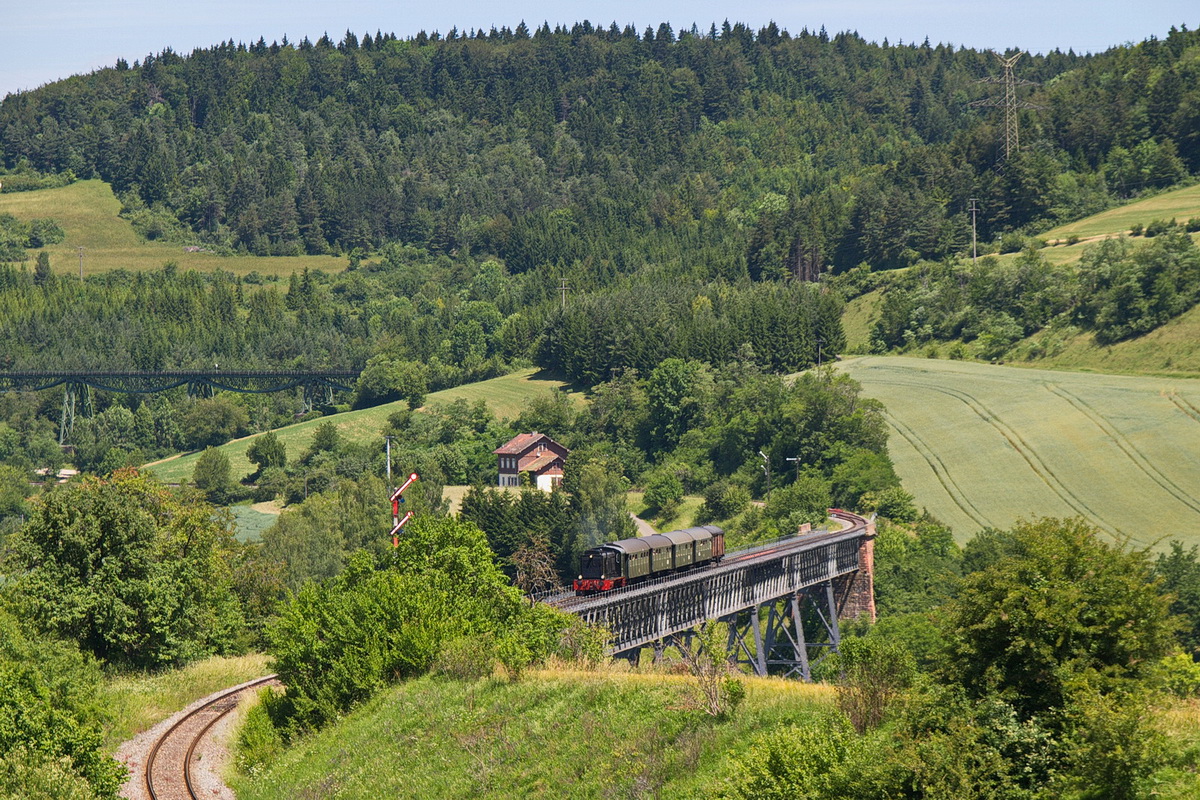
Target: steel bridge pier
781, 601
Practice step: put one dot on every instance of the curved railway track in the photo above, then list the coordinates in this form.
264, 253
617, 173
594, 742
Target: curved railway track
168, 774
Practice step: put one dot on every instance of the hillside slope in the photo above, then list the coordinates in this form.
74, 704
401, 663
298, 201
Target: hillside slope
982, 445
505, 396
555, 734
88, 212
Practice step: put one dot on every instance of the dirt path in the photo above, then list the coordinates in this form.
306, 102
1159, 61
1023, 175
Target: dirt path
643, 528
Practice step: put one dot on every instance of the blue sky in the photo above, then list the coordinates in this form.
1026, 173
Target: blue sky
41, 42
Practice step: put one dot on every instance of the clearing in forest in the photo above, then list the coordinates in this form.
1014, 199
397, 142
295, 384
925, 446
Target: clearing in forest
506, 396
981, 445
88, 212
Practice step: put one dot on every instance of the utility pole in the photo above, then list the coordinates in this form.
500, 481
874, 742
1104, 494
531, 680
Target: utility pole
766, 470
563, 288
80, 249
388, 440
1008, 102
973, 207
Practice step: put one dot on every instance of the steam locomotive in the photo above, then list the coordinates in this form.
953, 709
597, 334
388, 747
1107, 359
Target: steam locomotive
627, 561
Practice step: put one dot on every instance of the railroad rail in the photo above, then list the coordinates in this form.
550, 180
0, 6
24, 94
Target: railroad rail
807, 579
168, 771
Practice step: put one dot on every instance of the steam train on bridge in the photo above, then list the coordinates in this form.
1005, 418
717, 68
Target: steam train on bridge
628, 561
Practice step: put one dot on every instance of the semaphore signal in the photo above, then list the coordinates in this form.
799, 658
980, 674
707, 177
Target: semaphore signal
397, 499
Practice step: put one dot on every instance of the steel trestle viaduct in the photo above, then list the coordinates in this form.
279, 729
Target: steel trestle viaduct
317, 385
782, 601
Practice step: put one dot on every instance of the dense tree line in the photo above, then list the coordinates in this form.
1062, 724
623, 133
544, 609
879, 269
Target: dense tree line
728, 151
1119, 289
1027, 663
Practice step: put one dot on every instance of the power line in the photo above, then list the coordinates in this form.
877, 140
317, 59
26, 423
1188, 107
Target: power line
1009, 102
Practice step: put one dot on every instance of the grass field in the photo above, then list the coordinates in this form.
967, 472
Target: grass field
553, 734
139, 702
88, 212
1178, 204
684, 516
505, 396
857, 319
982, 445
250, 522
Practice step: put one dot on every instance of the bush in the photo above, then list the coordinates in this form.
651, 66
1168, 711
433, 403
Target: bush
806, 500
1193, 225
1136, 229
1179, 675
1012, 242
258, 741
873, 674
340, 642
137, 575
794, 762
724, 500
663, 490
45, 231
1159, 227
50, 735
213, 475
467, 658
892, 502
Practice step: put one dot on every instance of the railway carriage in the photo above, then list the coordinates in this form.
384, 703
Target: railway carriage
628, 561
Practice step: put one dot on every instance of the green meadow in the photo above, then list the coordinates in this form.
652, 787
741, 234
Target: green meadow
88, 213
1178, 204
557, 733
505, 396
137, 702
981, 445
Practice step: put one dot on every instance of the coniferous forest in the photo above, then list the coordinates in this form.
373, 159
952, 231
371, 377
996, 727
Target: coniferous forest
714, 154
672, 221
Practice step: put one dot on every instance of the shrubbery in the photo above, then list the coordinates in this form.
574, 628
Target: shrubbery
50, 731
339, 642
135, 574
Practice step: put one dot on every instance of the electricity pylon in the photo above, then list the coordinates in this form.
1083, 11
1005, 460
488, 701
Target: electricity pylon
1009, 102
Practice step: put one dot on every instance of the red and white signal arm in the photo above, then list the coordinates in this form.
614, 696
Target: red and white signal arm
396, 501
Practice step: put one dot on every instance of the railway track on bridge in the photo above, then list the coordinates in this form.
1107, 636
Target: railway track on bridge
774, 597
566, 599
169, 766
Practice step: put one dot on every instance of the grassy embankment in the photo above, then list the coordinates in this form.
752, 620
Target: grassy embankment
983, 445
557, 734
88, 212
139, 702
505, 396
554, 734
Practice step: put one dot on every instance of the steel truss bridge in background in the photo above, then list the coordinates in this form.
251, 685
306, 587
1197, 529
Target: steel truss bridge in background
318, 386
781, 601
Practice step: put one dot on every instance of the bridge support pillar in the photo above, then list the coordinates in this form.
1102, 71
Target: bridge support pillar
857, 590
780, 644
66, 425
74, 394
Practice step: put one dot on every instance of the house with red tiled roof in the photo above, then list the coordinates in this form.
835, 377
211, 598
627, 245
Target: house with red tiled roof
535, 454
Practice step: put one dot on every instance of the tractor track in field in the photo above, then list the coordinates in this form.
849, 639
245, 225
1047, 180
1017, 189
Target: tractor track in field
940, 471
1126, 446
1018, 444
1184, 406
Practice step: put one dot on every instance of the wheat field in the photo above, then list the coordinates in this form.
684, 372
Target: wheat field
981, 445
